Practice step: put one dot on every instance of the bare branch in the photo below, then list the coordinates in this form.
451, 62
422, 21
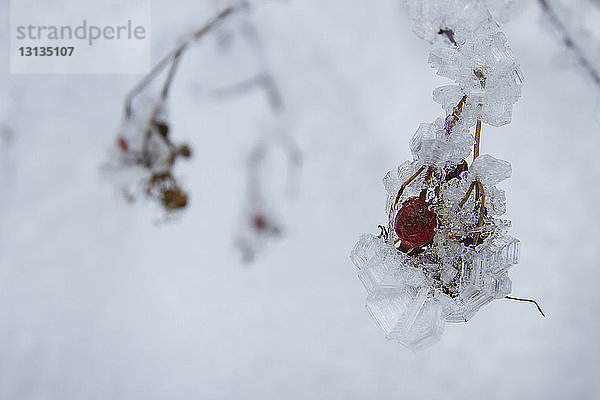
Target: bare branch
587, 65
263, 81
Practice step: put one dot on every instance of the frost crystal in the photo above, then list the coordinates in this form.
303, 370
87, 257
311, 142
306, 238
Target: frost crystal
431, 145
444, 253
489, 170
485, 71
470, 49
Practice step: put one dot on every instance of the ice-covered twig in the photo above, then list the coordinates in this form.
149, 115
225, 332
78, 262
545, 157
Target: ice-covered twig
445, 253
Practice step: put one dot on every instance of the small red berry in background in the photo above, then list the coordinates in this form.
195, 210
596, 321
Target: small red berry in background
122, 143
415, 223
259, 222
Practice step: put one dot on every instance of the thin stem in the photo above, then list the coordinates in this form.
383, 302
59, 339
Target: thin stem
477, 140
159, 104
167, 84
481, 213
172, 56
528, 301
400, 191
467, 195
211, 24
145, 82
264, 81
405, 184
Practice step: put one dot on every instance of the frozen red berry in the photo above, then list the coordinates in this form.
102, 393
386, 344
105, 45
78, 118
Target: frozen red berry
415, 223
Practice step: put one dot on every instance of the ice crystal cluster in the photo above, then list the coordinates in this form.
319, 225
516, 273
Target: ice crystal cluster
445, 252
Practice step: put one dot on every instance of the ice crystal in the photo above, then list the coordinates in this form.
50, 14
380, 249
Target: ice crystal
485, 71
489, 170
431, 145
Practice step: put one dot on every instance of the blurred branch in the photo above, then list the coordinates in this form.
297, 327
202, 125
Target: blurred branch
262, 81
261, 220
569, 41
6, 133
162, 183
173, 58
156, 141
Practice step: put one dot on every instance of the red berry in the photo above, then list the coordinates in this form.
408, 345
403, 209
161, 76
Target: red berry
122, 143
415, 223
259, 222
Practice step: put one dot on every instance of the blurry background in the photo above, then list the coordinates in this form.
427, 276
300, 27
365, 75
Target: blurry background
98, 300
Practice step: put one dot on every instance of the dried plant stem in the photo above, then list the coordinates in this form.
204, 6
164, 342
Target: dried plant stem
173, 58
587, 65
528, 301
144, 83
158, 106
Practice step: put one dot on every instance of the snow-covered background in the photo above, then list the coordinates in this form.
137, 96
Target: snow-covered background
99, 301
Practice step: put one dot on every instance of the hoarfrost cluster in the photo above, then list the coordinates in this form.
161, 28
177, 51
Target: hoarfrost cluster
445, 252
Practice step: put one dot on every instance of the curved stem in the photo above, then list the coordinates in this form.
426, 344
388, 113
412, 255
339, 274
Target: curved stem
405, 184
528, 301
